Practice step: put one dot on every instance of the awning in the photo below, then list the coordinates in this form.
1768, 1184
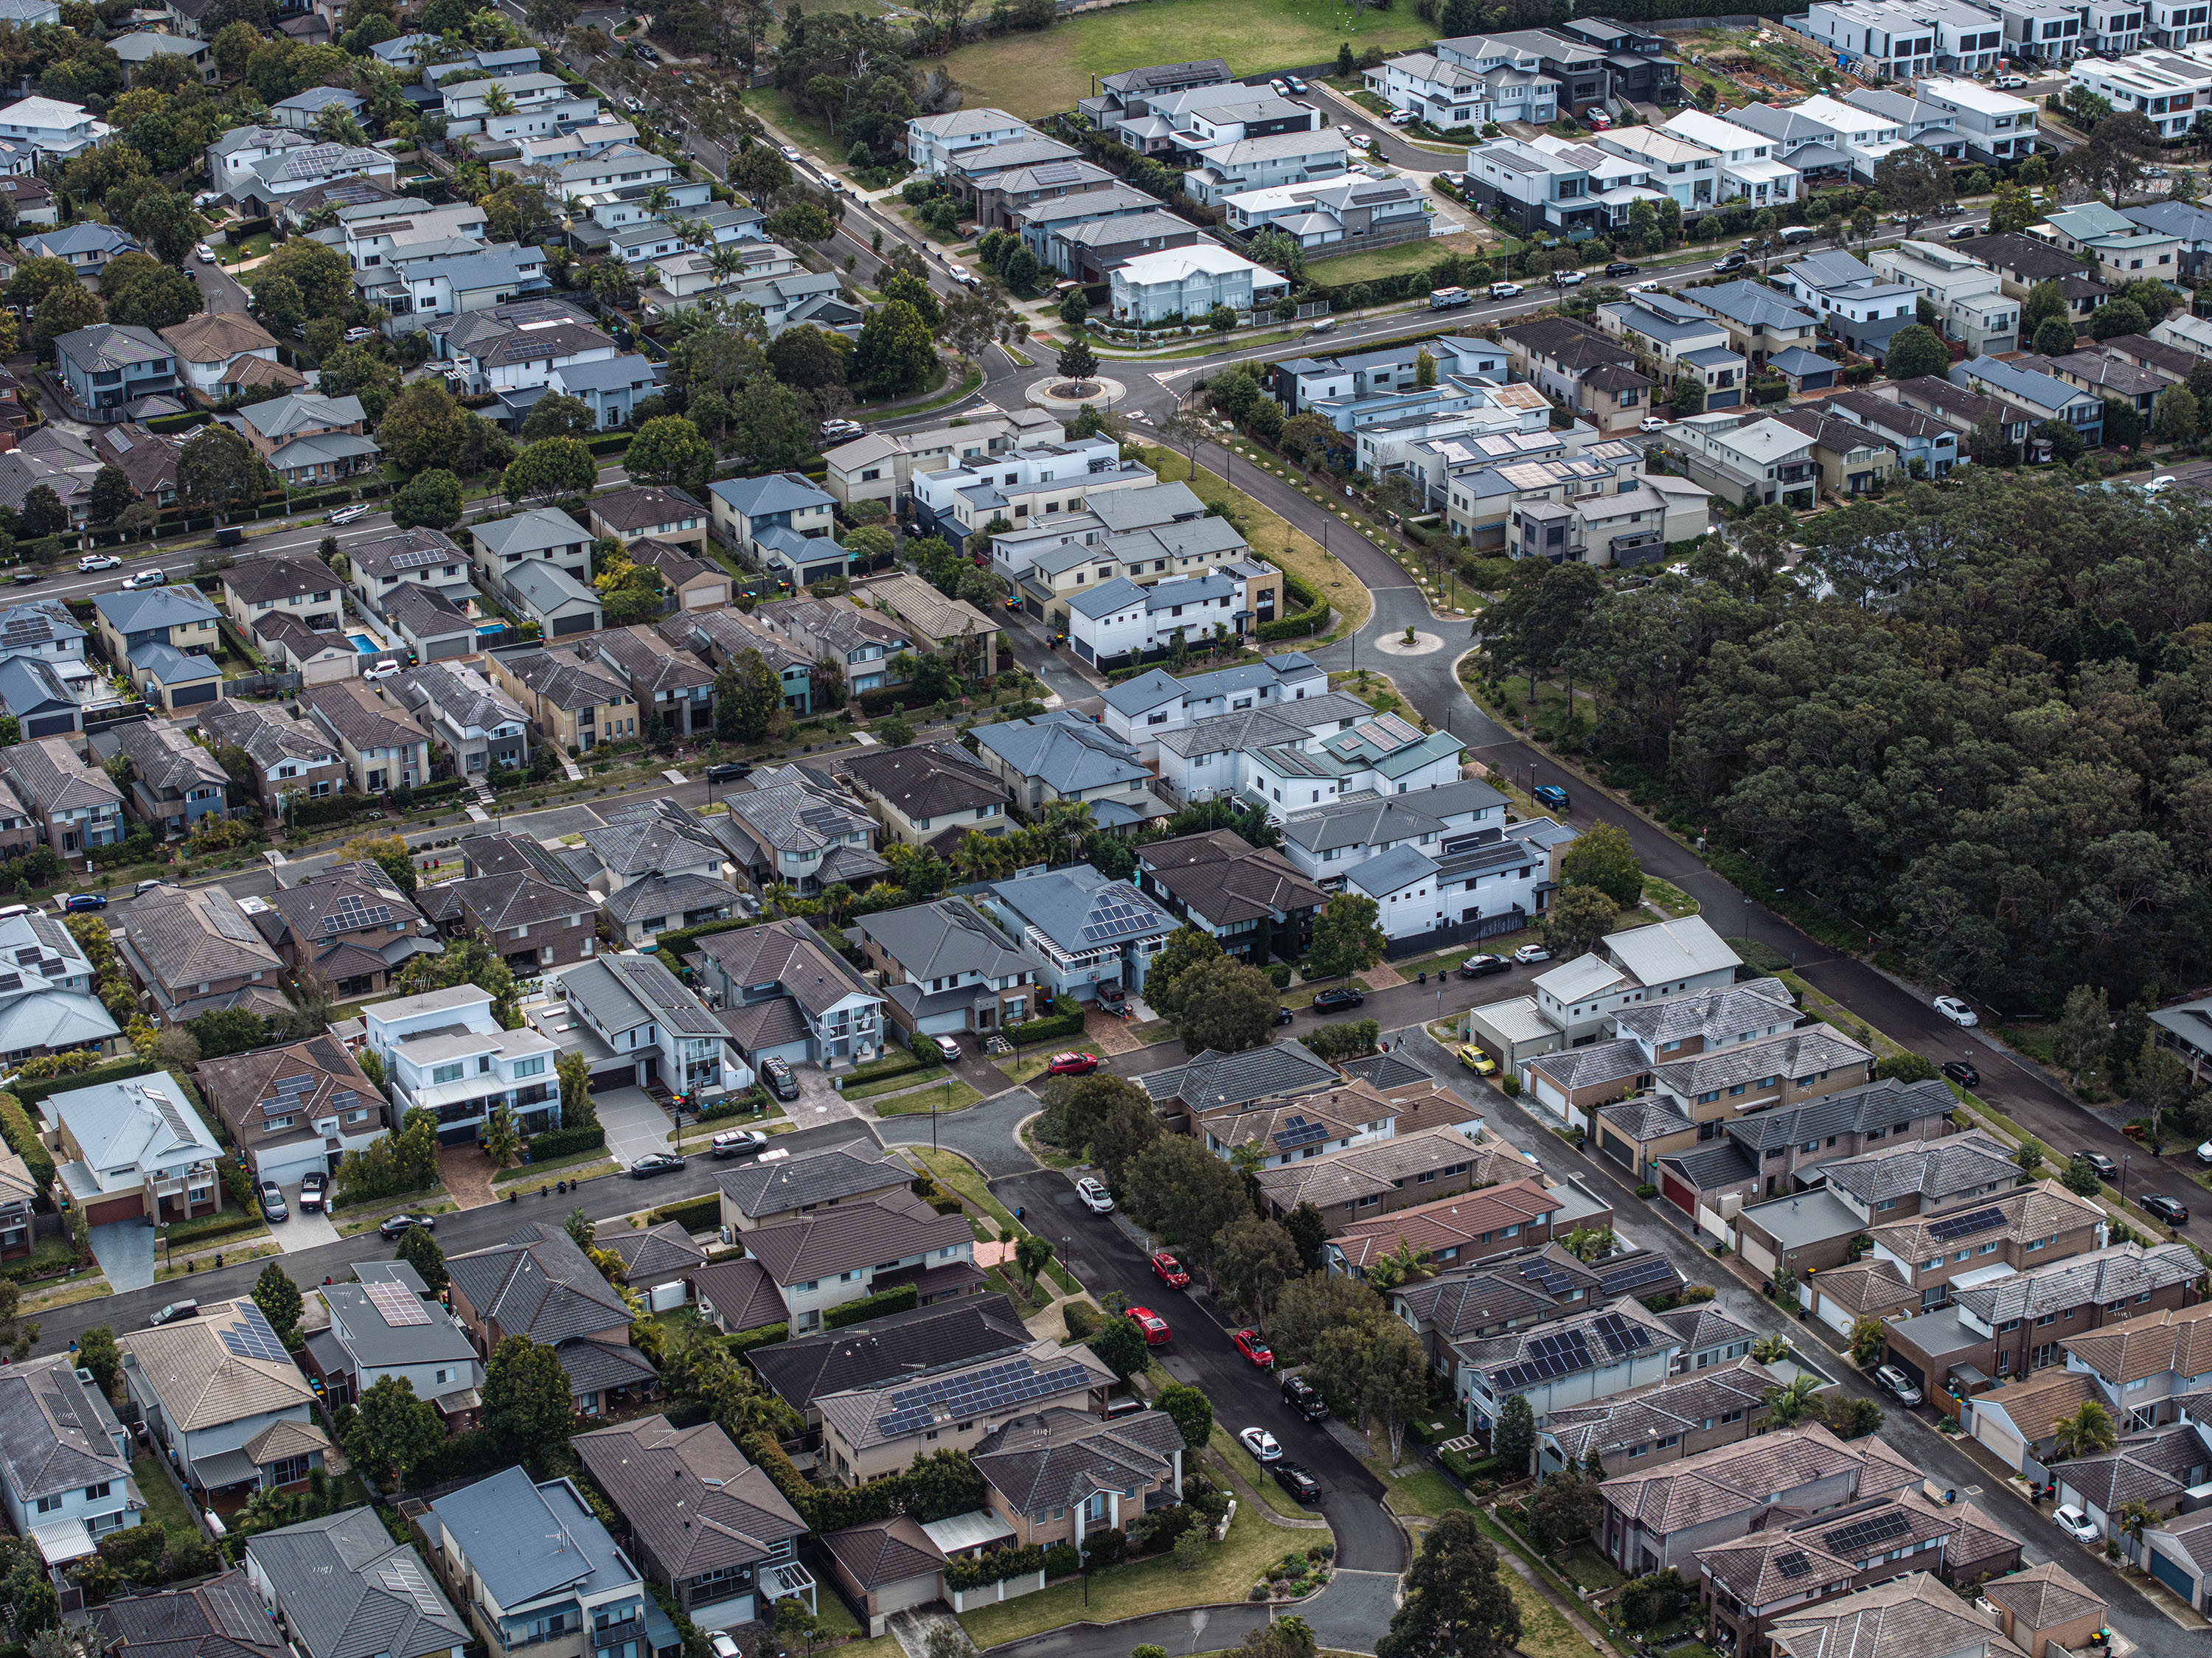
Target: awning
62, 1541
233, 1467
962, 1532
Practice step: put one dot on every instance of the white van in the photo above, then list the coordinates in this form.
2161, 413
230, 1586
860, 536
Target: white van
348, 514
14, 910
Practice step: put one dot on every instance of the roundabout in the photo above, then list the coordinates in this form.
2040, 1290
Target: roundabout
1065, 397
1421, 644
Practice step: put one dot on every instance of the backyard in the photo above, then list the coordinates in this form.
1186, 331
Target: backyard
1034, 74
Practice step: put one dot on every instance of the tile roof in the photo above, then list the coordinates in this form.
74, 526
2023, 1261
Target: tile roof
825, 1176
1213, 1079
1067, 752
874, 1415
540, 1285
203, 1382
1677, 1405
2035, 1406
1809, 1052
2119, 1273
150, 608
1057, 1458
1734, 1480
1718, 1015
884, 1552
1935, 1170
566, 679
926, 780
236, 1084
2155, 1466
853, 1235
1601, 1062
526, 1541
2043, 1210
195, 935
269, 736
460, 694
217, 336
1884, 1104
639, 507
1615, 1332
221, 1617
691, 1496
1911, 1617
54, 1431
791, 955
166, 760
360, 713
1336, 1178
1520, 1283
258, 580
944, 939
743, 1295
2171, 1339
424, 614
1868, 1288
1223, 879
1447, 1224
2044, 1597
398, 554
857, 1356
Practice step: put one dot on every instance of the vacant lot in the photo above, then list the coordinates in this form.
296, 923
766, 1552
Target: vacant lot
1365, 267
1035, 74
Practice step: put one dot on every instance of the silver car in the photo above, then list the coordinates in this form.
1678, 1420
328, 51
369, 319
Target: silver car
1899, 1385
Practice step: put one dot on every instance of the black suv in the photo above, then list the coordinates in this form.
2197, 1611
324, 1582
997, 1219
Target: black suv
1302, 1396
1297, 1481
780, 1083
1479, 967
729, 771
1620, 268
1328, 1001
2164, 1208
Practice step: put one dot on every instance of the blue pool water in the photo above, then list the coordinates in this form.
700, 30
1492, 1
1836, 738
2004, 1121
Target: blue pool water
364, 644
485, 628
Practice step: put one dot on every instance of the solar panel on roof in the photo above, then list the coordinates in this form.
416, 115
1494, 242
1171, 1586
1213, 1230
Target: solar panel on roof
1634, 1276
1866, 1535
1960, 1226
1796, 1564
397, 1304
251, 1337
1298, 1131
1552, 1276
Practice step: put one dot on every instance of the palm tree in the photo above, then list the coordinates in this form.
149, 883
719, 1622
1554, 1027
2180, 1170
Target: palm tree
726, 262
1400, 1266
2086, 1431
1769, 1349
498, 101
2132, 1516
1798, 1402
657, 199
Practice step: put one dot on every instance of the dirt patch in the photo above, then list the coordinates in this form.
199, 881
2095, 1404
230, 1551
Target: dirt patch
1110, 1033
466, 1172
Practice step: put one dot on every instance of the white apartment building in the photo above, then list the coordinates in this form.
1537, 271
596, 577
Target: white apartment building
1749, 169
2043, 31
542, 104
1906, 40
1189, 281
1966, 294
49, 125
2170, 25
2166, 88
1122, 619
1996, 126
446, 1051
1862, 135
1023, 485
1513, 69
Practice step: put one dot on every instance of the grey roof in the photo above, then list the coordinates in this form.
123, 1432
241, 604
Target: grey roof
1263, 725
540, 1285
648, 1251
1877, 1105
797, 815
2122, 1271
638, 508
221, 1617
1079, 908
1058, 1457
357, 713
107, 345
622, 992
1067, 752
377, 1343
658, 895
901, 1408
54, 1431
944, 938
460, 694
848, 1236
1809, 1051
269, 736
1398, 868
829, 1175
1933, 1171
280, 576
397, 554
1385, 818
149, 607
539, 530
527, 1541
919, 1338
545, 589
1713, 1015
347, 1590
165, 758
424, 613
195, 935
790, 954
926, 780
566, 679
1805, 1218
695, 1502
1215, 1080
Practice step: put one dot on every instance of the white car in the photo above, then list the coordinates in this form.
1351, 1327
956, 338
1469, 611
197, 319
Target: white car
1359, 141
137, 579
1651, 423
1955, 1011
1279, 86
2160, 485
206, 198
1094, 1197
947, 1049
1402, 118
1261, 1443
2009, 82
791, 154
2077, 1524
203, 254
99, 562
355, 336
722, 1644
384, 669
959, 274
1528, 953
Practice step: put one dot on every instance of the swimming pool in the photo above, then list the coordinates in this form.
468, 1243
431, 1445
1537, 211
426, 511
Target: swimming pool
364, 644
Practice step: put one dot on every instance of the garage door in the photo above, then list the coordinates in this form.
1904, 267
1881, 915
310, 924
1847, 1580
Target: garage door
1678, 1193
2179, 1579
615, 1075
285, 1167
130, 1208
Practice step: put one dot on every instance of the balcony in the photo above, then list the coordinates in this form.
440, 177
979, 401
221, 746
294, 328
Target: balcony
613, 1635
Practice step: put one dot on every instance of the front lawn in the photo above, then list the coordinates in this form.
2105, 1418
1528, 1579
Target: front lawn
1426, 1492
1023, 1066
1035, 73
950, 1095
1226, 1572
887, 1083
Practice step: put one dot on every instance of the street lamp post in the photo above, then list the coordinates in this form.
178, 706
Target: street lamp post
2125, 1160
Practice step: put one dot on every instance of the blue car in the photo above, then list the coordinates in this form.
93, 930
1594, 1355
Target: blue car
1553, 795
74, 901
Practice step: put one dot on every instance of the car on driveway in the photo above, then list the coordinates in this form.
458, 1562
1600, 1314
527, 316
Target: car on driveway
1962, 1072
1476, 1060
313, 1188
1898, 1385
1530, 953
1071, 1064
1297, 1481
1170, 1271
396, 1226
1155, 1328
272, 1201
654, 1162
1651, 423
2077, 1524
2164, 1208
2106, 1168
1094, 1197
1482, 966
1302, 1396
776, 1073
1955, 1011
947, 1049
1253, 1346
1336, 997
2204, 1154
1284, 1016
1552, 795
738, 1142
1261, 1443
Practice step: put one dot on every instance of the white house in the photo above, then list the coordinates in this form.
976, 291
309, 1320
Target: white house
1328, 841
1138, 710
1686, 170
445, 1051
541, 104
2166, 89
1749, 170
1276, 158
932, 140
1443, 94
1861, 134
1189, 281
58, 128
1384, 756
65, 1460
1121, 619
1996, 126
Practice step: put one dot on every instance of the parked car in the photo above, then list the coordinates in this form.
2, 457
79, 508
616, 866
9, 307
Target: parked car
1955, 1011
1094, 1197
383, 668
1402, 118
791, 154
2204, 1154
654, 1162
2106, 1168
2077, 1524
348, 514
1528, 954
839, 431
1297, 1481
203, 254
2009, 82
1898, 1385
1962, 1072
947, 1049
1296, 86
175, 1311
1960, 232
1476, 1060
152, 578
1620, 268
1071, 1064
1253, 1346
1302, 1396
1321, 325
272, 1196
722, 1644
355, 336
959, 274
1596, 117
399, 1225
98, 562
313, 1188
1651, 423
2160, 485
1336, 998
1261, 1443
1506, 290
728, 771
1729, 262
1154, 1327
145, 887
2164, 1208
1482, 966
781, 1082
25, 578
1170, 1271
74, 901
1359, 141
1552, 795
738, 1142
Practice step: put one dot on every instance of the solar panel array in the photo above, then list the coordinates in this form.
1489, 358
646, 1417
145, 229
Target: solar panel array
173, 1115
285, 1094
351, 913
1553, 1276
1866, 1536
1119, 913
401, 1575
1619, 1336
1652, 1269
994, 1388
397, 1303
252, 1338
1549, 1356
1796, 1564
1960, 1226
421, 559
1298, 1131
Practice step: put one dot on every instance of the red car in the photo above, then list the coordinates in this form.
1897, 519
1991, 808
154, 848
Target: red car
1072, 1064
1157, 1334
1255, 1347
1170, 1271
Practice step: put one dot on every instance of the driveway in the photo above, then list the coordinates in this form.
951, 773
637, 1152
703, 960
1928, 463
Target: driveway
306, 1229
634, 1123
125, 1250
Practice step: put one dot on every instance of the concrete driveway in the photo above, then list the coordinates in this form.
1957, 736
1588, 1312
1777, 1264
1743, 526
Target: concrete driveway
634, 1123
306, 1229
125, 1250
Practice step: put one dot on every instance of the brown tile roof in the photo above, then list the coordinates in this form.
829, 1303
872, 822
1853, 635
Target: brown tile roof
1676, 1405
741, 1291
1448, 1223
690, 1495
218, 336
2043, 1597
639, 506
1735, 1479
1225, 879
852, 1236
237, 1086
2173, 1339
360, 715
1869, 1288
258, 580
2036, 1404
927, 780
1911, 1617
188, 936
884, 1552
1357, 1171
2045, 1210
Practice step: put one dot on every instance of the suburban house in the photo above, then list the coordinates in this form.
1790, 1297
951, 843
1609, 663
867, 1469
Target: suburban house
216, 1618
868, 1432
74, 806
52, 1010
474, 728
290, 758
1061, 756
783, 994
1058, 1473
630, 514
1512, 1214
1684, 1416
1912, 1614
928, 794
446, 1051
1368, 1177
1085, 930
848, 1251
65, 1474
805, 1368
194, 949
945, 968
639, 1027
788, 825
302, 587
383, 746
539, 1285
770, 1193
534, 1565
340, 1588
174, 782
387, 1324
208, 347
224, 1400
1254, 903
575, 702
349, 929
1587, 1355
296, 1110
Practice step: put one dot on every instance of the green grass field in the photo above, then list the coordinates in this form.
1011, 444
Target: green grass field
1035, 74
1386, 261
951, 1095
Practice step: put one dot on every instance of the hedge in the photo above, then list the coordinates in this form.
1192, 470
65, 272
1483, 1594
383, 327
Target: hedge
902, 1298
566, 1142
22, 1138
693, 1214
1064, 1020
31, 1093
745, 1340
894, 699
735, 1105
976, 1571
678, 941
1309, 620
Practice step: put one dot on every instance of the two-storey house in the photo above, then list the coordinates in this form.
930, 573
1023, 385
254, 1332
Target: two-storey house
193, 949
575, 702
446, 1051
335, 1584
540, 1285
533, 1566
783, 994
65, 1460
787, 826
475, 728
296, 1110
945, 968
221, 1397
383, 745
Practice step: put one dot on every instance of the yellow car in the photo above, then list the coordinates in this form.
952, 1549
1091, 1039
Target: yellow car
1478, 1061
